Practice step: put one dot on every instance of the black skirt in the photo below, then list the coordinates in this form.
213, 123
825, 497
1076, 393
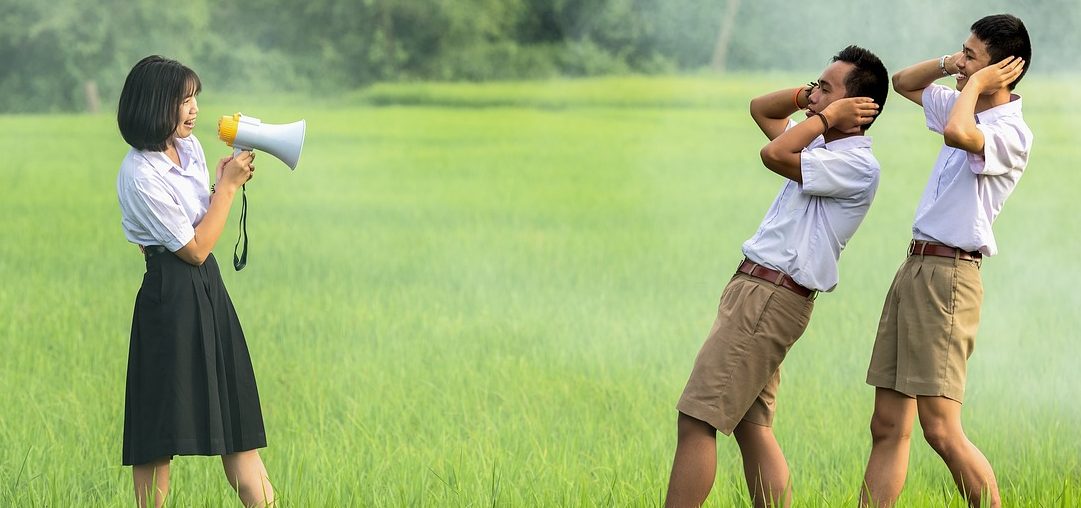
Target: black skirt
191, 389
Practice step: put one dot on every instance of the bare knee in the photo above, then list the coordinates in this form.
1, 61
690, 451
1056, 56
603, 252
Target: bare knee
942, 437
154, 470
254, 493
245, 471
689, 427
751, 433
886, 428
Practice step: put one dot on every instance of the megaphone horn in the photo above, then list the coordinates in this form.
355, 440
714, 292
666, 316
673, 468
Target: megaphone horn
249, 133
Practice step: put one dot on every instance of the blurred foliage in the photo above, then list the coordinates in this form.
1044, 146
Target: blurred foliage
51, 51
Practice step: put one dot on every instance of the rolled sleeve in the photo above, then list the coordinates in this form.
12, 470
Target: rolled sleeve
937, 103
834, 174
156, 210
1005, 148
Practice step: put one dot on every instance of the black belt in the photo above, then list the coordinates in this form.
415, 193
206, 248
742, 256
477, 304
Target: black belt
150, 251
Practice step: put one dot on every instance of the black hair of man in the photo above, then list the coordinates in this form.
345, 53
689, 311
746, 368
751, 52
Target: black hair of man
1005, 36
868, 77
149, 108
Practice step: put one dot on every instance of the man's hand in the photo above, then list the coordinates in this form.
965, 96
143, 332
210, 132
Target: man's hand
996, 76
960, 130
849, 115
771, 111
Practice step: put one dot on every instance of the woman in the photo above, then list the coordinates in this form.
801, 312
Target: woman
190, 386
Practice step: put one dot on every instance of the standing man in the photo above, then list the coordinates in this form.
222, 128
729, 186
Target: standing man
831, 179
932, 310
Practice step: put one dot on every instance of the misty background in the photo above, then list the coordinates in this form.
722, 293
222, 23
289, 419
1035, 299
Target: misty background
72, 56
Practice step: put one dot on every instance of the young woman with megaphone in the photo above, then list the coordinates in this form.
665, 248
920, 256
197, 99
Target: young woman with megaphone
190, 384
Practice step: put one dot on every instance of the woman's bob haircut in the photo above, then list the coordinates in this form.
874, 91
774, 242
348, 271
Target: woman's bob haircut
149, 107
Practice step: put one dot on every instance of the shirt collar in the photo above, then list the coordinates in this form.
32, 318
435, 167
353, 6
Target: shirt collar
161, 163
849, 143
158, 160
1012, 108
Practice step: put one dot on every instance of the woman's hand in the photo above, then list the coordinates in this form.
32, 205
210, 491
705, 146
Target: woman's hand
232, 172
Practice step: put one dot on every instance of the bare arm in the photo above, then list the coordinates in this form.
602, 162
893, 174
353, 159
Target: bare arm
911, 80
783, 154
771, 111
961, 131
234, 172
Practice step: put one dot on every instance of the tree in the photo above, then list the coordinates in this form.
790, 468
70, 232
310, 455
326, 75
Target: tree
719, 63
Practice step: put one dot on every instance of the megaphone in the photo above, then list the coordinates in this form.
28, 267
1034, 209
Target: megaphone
249, 133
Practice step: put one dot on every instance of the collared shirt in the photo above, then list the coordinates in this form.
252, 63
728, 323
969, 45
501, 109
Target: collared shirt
809, 224
966, 190
160, 202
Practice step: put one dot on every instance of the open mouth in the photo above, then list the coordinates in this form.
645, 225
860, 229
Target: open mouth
190, 124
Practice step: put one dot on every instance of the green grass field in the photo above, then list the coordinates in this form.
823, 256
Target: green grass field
491, 295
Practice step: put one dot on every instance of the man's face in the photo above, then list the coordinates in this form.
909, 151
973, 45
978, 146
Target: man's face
974, 56
831, 86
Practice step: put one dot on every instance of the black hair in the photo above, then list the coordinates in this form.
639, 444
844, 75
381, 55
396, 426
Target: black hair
868, 77
1005, 36
150, 102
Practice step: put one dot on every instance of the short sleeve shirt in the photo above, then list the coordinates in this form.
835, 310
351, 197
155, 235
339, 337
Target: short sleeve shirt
966, 190
809, 224
161, 202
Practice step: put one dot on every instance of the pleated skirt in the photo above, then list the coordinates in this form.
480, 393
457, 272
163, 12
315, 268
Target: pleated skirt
190, 385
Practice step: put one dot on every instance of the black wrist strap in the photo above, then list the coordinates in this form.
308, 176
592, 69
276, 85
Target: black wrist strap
240, 262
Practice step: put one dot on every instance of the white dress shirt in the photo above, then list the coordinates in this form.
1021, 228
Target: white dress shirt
160, 202
809, 224
966, 191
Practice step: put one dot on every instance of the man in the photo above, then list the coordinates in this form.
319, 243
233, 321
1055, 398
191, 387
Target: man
932, 310
831, 177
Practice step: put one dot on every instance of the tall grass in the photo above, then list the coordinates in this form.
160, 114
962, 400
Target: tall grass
492, 295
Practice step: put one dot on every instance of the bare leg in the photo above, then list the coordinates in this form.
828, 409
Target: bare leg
695, 465
763, 465
941, 421
248, 475
151, 478
891, 434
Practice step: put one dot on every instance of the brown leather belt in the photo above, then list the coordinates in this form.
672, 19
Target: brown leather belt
922, 248
773, 276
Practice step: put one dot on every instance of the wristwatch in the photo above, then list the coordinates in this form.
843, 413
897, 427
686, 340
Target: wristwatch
942, 65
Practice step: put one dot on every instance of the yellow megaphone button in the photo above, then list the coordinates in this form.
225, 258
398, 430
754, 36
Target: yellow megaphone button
227, 127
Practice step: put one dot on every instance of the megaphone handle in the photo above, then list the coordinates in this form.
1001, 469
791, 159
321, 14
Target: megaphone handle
240, 262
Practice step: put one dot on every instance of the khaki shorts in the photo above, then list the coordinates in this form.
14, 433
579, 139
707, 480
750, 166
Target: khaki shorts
737, 372
928, 328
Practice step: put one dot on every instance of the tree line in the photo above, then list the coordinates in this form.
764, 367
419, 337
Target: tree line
72, 55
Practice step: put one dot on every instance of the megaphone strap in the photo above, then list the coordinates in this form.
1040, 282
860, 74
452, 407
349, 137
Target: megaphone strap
240, 262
